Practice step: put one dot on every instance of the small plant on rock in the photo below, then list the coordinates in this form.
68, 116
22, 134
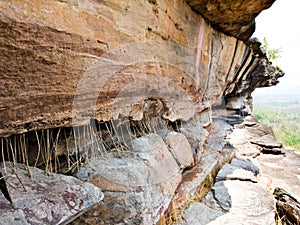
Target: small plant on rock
272, 53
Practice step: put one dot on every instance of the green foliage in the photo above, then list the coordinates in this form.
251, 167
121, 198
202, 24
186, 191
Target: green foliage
283, 115
272, 53
291, 138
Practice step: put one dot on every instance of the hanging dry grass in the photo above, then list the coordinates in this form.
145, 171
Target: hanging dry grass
63, 150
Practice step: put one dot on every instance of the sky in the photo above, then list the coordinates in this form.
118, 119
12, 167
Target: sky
280, 25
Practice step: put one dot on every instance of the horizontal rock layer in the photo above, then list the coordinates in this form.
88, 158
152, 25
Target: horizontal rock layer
65, 62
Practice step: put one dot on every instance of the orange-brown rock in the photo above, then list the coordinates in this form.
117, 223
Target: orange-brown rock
130, 71
62, 60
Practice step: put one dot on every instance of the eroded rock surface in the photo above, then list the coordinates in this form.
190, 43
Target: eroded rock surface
288, 208
279, 167
232, 202
236, 197
73, 65
89, 81
42, 198
235, 18
243, 189
141, 187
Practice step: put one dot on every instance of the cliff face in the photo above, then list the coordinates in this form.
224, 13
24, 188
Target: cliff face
53, 51
121, 95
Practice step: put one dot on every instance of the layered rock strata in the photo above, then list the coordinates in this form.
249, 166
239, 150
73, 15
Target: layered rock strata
121, 95
65, 62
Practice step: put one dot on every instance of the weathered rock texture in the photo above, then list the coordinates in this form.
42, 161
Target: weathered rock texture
41, 198
236, 198
140, 189
76, 60
233, 17
139, 82
279, 166
137, 189
288, 208
243, 189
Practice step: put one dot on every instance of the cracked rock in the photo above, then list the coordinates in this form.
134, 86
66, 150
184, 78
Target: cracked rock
233, 198
41, 198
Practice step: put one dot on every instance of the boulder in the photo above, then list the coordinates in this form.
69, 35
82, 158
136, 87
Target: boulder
180, 149
196, 136
29, 196
138, 187
287, 207
235, 172
199, 179
198, 214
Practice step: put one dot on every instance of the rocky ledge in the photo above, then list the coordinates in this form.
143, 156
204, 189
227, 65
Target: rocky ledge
105, 60
259, 186
222, 173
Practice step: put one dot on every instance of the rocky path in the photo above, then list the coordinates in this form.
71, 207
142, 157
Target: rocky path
243, 189
279, 167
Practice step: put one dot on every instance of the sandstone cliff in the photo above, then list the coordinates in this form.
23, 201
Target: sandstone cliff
96, 51
121, 95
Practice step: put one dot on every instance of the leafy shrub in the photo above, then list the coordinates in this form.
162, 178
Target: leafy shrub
272, 53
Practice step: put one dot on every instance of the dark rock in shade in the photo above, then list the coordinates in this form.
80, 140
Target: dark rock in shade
287, 208
199, 214
245, 164
274, 151
254, 72
43, 199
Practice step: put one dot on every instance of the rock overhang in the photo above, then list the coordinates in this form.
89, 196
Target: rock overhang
124, 67
235, 18
50, 65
